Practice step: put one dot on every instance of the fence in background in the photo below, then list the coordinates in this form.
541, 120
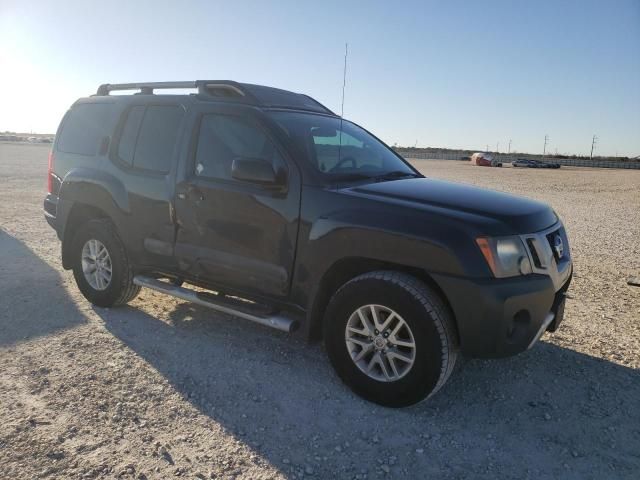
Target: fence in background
504, 158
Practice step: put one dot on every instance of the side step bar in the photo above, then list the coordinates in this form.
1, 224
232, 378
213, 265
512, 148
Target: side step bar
279, 322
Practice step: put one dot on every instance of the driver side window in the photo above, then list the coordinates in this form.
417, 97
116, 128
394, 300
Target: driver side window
223, 138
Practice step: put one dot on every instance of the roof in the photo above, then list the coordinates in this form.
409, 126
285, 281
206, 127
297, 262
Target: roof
227, 91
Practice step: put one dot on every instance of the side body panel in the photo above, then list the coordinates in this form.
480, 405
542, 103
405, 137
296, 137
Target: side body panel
336, 226
140, 203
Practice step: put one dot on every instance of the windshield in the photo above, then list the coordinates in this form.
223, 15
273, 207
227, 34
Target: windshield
341, 154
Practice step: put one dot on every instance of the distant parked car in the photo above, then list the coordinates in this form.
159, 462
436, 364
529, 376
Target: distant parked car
529, 163
482, 159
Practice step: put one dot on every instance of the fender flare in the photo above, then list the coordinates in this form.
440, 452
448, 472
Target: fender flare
90, 188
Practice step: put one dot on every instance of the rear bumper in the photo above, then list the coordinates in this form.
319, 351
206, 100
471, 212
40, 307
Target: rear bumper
51, 212
503, 317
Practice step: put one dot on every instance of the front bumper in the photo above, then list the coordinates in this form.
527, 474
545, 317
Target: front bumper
503, 317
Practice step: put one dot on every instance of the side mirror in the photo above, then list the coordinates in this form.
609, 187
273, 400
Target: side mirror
256, 170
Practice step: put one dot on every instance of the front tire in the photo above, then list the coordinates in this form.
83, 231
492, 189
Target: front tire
390, 338
101, 266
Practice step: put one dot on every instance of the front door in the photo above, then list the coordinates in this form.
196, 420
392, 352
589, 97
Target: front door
235, 234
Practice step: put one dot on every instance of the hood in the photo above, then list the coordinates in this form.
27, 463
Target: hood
516, 214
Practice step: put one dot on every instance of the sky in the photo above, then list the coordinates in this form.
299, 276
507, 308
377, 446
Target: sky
457, 74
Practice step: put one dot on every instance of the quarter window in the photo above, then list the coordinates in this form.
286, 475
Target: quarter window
84, 128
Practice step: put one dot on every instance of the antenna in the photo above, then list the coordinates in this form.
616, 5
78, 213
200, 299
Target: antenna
594, 140
344, 83
344, 77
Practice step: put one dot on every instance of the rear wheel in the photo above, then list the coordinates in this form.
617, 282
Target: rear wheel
100, 265
390, 338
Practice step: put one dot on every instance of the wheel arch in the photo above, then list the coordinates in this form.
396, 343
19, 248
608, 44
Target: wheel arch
345, 269
78, 215
87, 194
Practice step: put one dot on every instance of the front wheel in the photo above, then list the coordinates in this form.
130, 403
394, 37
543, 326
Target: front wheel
390, 338
101, 266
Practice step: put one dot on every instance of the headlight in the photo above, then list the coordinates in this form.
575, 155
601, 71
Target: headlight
506, 256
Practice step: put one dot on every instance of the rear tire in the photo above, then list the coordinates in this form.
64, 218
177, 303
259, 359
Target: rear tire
115, 286
429, 327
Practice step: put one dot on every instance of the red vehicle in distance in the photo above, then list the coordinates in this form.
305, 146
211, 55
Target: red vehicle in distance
482, 159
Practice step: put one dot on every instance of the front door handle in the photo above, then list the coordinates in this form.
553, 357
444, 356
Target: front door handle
192, 192
196, 194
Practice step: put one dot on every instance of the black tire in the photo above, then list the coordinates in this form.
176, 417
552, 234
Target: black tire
429, 319
121, 288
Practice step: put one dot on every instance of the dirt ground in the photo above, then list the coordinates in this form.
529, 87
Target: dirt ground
162, 388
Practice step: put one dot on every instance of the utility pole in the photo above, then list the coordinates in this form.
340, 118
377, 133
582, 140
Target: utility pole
544, 149
593, 144
487, 149
509, 149
497, 147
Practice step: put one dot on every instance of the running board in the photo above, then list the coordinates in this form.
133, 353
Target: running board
279, 322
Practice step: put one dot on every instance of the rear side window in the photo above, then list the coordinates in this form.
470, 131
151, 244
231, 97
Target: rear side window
129, 135
157, 137
84, 128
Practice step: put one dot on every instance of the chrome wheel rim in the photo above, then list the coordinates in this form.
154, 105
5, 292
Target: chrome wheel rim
380, 343
96, 264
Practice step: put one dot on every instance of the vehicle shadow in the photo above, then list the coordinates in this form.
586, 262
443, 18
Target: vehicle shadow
550, 412
29, 287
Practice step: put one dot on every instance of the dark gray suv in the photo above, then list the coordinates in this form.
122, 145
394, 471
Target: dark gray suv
285, 214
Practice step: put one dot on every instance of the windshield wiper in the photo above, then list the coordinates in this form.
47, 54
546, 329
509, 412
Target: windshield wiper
352, 176
394, 175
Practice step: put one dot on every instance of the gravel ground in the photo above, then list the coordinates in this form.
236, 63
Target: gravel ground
162, 388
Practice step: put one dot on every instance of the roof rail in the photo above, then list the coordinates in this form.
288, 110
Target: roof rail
227, 90
146, 88
222, 88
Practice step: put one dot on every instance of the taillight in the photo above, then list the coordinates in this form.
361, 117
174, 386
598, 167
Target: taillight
50, 173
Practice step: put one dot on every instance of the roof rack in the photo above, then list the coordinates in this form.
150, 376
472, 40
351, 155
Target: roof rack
227, 90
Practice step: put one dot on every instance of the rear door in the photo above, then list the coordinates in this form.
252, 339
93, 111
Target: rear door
238, 235
144, 157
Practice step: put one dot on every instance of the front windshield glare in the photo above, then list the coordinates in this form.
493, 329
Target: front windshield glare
336, 152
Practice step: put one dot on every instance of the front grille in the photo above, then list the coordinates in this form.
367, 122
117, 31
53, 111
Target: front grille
558, 243
549, 254
551, 238
534, 254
